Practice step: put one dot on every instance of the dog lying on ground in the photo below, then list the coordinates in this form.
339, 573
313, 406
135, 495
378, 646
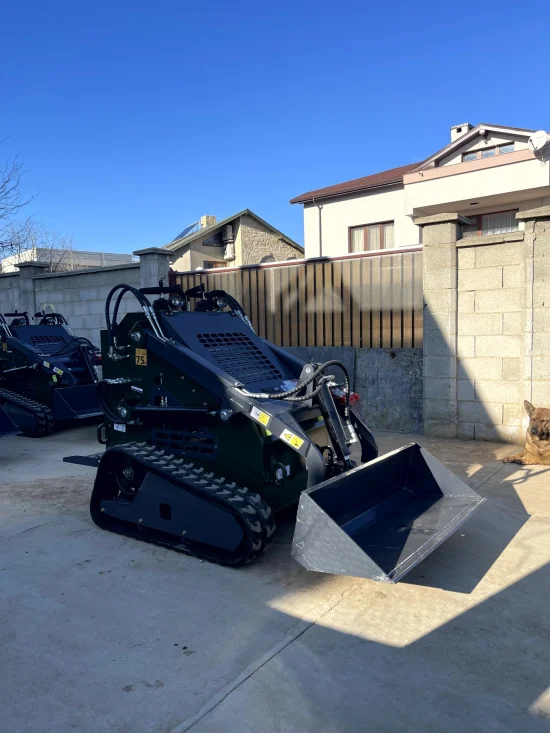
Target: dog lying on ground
537, 444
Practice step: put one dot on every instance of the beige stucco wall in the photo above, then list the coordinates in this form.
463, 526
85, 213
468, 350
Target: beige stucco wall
194, 255
478, 143
368, 207
502, 184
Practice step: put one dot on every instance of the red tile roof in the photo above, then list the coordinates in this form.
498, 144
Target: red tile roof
385, 178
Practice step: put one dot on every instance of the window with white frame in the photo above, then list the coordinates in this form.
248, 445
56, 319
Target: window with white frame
372, 236
488, 152
498, 223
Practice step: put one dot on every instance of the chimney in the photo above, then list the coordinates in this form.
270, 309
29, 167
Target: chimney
207, 221
459, 130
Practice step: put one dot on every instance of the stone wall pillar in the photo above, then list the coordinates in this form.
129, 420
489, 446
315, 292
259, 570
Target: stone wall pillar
536, 286
27, 299
154, 265
486, 327
439, 235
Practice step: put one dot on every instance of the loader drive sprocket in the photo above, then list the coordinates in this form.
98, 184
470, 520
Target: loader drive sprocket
43, 417
124, 480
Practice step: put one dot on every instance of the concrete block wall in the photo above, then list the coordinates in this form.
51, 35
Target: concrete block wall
536, 289
440, 339
9, 293
80, 296
388, 381
490, 335
486, 327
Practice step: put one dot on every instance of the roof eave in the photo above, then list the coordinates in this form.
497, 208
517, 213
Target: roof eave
302, 200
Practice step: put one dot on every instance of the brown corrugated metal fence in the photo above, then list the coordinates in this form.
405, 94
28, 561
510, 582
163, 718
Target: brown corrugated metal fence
365, 301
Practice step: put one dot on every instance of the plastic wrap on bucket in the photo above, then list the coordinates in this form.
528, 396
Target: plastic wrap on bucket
381, 519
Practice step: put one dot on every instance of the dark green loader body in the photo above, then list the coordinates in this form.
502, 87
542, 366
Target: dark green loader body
210, 430
47, 374
245, 451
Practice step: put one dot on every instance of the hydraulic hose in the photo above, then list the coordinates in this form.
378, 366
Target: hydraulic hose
76, 340
233, 302
289, 395
109, 414
111, 325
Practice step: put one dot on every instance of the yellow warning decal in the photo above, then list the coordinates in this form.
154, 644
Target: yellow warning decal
292, 439
4, 346
54, 378
46, 364
262, 417
58, 371
141, 357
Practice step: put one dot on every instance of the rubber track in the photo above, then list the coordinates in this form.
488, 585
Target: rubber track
253, 512
43, 415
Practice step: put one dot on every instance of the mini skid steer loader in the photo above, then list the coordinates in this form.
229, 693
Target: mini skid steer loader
198, 407
47, 375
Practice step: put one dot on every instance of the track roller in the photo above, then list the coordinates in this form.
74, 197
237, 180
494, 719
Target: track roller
34, 419
148, 494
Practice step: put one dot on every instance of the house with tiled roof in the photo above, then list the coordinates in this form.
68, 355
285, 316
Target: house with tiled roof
487, 173
241, 239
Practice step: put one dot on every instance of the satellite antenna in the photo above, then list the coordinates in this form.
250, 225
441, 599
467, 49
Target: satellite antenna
539, 140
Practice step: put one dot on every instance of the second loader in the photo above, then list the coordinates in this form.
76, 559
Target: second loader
47, 374
211, 430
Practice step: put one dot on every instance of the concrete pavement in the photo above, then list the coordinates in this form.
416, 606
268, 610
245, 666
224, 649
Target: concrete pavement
103, 634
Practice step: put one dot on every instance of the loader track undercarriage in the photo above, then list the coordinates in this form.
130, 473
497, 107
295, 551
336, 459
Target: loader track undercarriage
35, 419
146, 493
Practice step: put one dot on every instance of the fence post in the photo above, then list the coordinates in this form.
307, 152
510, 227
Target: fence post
440, 343
536, 335
154, 265
27, 272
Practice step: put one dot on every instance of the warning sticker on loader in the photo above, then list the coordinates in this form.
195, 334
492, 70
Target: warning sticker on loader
141, 357
262, 417
46, 364
58, 371
4, 346
292, 439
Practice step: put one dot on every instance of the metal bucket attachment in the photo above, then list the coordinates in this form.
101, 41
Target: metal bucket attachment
381, 519
74, 403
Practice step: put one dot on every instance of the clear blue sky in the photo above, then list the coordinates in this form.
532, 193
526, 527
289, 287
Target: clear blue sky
134, 118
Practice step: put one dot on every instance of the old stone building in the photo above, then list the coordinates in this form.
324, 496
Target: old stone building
241, 239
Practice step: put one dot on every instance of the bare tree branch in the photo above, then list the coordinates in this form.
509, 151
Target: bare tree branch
26, 240
12, 200
29, 240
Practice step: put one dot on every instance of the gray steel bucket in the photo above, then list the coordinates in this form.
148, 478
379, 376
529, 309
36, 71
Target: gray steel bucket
381, 519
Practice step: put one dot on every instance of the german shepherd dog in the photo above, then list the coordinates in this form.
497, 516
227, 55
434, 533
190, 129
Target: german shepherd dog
537, 444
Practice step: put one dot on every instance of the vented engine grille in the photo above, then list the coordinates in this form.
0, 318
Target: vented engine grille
198, 444
239, 356
47, 344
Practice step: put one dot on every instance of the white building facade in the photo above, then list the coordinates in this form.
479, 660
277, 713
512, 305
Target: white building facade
487, 173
